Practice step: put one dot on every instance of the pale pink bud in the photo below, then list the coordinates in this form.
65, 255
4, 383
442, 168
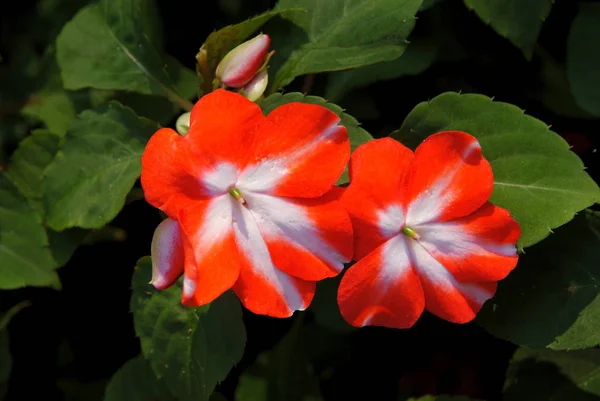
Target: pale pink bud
167, 254
241, 64
254, 89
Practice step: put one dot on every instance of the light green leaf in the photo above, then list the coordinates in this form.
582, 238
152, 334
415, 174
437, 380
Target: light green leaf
116, 44
552, 298
135, 381
520, 21
583, 59
336, 35
542, 374
536, 177
357, 135
191, 349
24, 254
418, 57
86, 184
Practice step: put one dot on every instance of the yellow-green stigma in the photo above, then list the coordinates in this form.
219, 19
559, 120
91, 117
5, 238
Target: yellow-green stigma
237, 195
410, 232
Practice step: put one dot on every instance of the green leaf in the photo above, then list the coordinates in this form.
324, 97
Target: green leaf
338, 34
191, 349
26, 171
51, 104
428, 4
357, 135
552, 298
583, 60
86, 184
116, 44
520, 21
539, 374
537, 178
26, 258
135, 381
284, 373
418, 57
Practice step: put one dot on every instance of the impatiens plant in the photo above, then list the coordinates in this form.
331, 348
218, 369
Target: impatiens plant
345, 200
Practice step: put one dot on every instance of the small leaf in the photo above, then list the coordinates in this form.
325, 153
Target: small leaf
86, 184
539, 374
552, 298
418, 57
357, 135
191, 349
536, 177
116, 44
26, 258
583, 59
336, 35
517, 20
135, 381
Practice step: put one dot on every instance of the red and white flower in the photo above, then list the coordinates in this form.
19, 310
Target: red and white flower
426, 236
250, 202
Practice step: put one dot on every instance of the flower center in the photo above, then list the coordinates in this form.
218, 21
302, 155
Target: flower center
237, 195
410, 232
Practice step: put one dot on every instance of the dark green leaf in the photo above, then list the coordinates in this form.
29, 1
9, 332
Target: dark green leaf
552, 298
537, 178
418, 57
86, 184
50, 103
26, 258
539, 374
428, 4
357, 135
126, 52
26, 171
325, 306
338, 34
583, 59
191, 349
136, 381
520, 21
284, 373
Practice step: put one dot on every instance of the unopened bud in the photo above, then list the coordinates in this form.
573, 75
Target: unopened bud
182, 125
242, 63
254, 89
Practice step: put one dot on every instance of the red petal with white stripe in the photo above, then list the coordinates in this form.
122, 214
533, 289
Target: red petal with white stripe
448, 178
377, 172
478, 247
382, 289
299, 151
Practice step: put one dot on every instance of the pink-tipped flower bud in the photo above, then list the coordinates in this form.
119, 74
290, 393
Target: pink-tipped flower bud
254, 89
241, 64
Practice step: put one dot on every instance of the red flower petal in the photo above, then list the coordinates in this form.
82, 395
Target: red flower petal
221, 131
262, 287
449, 178
377, 171
308, 238
300, 151
446, 297
382, 289
167, 254
479, 247
212, 257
